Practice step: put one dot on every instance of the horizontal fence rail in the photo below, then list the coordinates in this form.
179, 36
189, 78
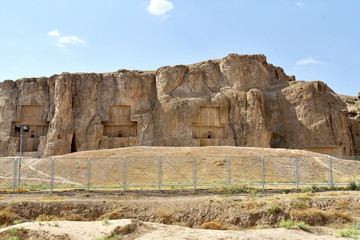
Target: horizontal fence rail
176, 172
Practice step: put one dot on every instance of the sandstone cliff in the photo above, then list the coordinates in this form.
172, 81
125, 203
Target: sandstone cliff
240, 100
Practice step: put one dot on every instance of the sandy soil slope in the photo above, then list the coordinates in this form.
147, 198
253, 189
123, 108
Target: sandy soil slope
190, 151
133, 229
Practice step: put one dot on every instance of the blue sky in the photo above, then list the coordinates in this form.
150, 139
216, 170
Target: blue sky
311, 39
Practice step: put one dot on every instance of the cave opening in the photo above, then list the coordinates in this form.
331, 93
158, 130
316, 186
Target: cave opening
278, 141
73, 145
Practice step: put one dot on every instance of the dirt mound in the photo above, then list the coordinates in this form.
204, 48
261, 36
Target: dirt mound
190, 151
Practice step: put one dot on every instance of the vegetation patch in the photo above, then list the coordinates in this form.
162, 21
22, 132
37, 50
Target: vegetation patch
45, 218
6, 216
238, 190
353, 186
105, 221
348, 233
14, 234
116, 214
214, 225
312, 189
275, 209
304, 198
291, 224
299, 205
318, 217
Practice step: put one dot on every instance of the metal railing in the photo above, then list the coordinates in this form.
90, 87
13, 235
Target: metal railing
176, 172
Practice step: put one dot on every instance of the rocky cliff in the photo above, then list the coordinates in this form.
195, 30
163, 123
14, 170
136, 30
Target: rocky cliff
240, 100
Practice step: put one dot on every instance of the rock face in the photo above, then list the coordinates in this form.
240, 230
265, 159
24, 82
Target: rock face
240, 100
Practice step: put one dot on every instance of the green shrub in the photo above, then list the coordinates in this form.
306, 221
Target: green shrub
290, 224
17, 222
238, 190
302, 225
285, 191
15, 233
349, 233
312, 189
287, 223
274, 210
105, 221
352, 186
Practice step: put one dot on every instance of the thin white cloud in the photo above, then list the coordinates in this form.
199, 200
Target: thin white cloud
299, 4
160, 7
309, 60
63, 40
54, 33
71, 39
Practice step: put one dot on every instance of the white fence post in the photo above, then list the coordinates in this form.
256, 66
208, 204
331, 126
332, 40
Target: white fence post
88, 174
262, 173
52, 175
194, 173
159, 167
330, 171
14, 174
124, 173
296, 172
228, 166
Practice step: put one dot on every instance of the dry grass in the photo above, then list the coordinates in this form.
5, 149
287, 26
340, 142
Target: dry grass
68, 217
46, 198
6, 216
116, 214
213, 225
165, 216
45, 218
20, 190
127, 229
74, 217
164, 213
342, 204
318, 217
252, 205
299, 204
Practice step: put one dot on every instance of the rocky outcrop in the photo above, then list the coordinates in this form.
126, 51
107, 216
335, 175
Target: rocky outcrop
240, 100
353, 113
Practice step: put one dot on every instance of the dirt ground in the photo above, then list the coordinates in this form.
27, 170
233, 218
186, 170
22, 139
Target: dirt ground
178, 214
190, 151
133, 229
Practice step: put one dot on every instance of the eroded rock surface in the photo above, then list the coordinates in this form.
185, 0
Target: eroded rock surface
240, 100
